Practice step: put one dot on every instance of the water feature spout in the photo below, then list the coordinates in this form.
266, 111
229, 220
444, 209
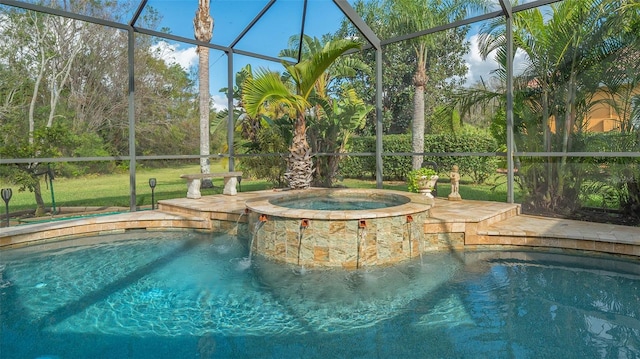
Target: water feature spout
409, 230
238, 221
409, 222
304, 224
254, 235
361, 243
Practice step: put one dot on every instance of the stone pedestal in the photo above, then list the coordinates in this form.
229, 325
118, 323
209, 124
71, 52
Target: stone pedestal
426, 192
194, 181
455, 197
193, 188
230, 186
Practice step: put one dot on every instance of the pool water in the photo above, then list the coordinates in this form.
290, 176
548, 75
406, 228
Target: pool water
337, 203
195, 295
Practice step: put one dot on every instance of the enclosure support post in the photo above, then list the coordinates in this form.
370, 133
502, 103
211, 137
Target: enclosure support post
230, 124
132, 122
379, 118
506, 8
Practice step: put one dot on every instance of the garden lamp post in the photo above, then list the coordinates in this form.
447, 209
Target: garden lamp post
6, 196
152, 184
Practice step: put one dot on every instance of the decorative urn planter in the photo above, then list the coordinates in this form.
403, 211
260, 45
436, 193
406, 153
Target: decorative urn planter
426, 184
423, 180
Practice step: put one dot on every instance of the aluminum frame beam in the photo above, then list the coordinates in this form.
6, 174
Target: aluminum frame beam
137, 14
357, 21
508, 13
64, 13
253, 22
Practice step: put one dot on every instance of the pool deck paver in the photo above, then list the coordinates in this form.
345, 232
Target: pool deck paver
482, 222
523, 225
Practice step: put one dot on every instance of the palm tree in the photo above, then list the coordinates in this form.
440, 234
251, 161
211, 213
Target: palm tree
413, 16
337, 110
203, 30
269, 90
567, 52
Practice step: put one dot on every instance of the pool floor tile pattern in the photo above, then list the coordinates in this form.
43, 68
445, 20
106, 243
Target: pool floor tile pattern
479, 223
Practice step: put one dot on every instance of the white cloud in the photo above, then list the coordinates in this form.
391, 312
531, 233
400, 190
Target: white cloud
478, 68
186, 58
219, 102
173, 54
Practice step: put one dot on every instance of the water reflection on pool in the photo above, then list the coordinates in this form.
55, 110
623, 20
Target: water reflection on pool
186, 295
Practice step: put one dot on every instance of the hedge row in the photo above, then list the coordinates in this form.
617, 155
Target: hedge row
396, 167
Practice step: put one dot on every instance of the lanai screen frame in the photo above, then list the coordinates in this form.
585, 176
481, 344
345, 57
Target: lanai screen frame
506, 10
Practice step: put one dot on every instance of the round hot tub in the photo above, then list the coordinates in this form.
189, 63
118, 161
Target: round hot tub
348, 228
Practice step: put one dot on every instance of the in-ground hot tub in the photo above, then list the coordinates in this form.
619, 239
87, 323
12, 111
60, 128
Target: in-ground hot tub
348, 228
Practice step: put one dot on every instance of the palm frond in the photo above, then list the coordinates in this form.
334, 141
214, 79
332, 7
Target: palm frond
267, 89
309, 45
306, 73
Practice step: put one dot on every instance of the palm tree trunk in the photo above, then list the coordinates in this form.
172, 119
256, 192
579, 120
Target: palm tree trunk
299, 164
417, 127
203, 29
204, 107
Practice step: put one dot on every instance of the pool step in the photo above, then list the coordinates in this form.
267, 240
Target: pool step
97, 225
533, 231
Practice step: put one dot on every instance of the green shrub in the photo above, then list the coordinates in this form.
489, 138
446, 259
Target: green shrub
478, 168
271, 168
86, 145
359, 166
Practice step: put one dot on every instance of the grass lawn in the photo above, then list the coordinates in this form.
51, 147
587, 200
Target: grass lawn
112, 190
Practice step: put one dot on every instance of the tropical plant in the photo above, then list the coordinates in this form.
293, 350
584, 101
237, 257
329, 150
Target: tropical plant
246, 126
412, 16
445, 69
291, 93
621, 88
337, 110
260, 135
568, 51
334, 122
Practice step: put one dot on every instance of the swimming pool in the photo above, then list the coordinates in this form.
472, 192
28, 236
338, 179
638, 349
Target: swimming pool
196, 295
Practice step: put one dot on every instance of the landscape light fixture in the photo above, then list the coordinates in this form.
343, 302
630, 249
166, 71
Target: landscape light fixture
152, 184
6, 196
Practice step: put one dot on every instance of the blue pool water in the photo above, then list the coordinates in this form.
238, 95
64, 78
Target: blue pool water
338, 203
194, 295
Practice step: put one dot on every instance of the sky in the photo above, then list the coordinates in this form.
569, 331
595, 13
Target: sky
268, 35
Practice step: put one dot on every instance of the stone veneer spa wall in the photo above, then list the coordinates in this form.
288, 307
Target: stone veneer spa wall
349, 238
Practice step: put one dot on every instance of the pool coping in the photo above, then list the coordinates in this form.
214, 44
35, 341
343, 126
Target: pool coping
480, 223
415, 203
